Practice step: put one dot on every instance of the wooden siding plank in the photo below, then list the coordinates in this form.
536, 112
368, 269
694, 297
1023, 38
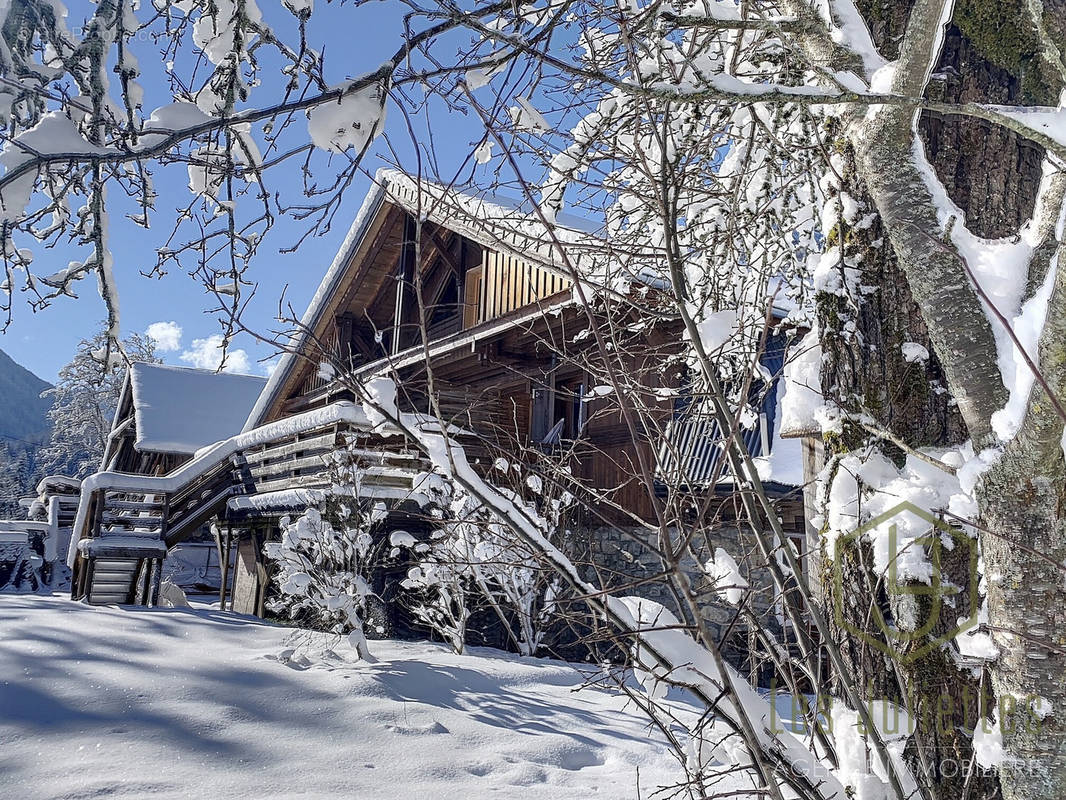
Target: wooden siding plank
324, 441
508, 283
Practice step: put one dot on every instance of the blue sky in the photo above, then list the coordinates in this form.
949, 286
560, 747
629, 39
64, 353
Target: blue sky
356, 39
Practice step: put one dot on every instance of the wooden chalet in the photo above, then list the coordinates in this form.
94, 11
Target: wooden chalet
431, 285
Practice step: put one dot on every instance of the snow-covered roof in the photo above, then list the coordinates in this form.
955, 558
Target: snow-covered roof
58, 484
181, 410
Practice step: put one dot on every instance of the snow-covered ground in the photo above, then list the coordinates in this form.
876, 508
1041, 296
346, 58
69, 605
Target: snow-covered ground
110, 702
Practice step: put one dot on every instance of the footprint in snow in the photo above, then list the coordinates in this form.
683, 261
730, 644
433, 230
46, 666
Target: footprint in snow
579, 759
290, 658
418, 730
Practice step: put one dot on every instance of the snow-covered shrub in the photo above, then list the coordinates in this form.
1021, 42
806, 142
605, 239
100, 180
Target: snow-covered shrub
471, 561
171, 595
323, 573
20, 567
439, 597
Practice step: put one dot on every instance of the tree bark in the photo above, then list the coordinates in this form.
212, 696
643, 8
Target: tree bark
924, 295
1027, 609
1023, 507
866, 374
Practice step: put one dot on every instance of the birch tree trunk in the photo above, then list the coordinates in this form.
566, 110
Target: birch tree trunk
925, 295
866, 374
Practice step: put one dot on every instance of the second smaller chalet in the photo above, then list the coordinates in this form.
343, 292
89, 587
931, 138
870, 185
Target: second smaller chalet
165, 414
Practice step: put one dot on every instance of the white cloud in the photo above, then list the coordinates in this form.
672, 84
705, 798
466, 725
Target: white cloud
166, 335
207, 354
270, 366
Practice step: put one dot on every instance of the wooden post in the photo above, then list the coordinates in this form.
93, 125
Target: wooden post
90, 565
140, 586
155, 567
164, 517
77, 578
262, 571
404, 276
98, 514
85, 573
225, 569
223, 564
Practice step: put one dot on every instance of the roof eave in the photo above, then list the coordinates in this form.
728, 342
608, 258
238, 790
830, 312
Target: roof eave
368, 212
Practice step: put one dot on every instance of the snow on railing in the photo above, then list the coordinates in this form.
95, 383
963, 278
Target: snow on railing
209, 457
19, 532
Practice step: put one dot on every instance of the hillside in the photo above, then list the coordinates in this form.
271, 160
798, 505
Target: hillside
23, 412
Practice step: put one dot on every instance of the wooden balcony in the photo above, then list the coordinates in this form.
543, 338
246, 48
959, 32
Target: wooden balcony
311, 460
505, 283
127, 522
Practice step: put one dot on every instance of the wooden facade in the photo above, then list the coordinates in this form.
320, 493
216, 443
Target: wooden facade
501, 338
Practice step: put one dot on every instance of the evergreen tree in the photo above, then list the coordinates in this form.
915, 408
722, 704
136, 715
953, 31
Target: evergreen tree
16, 478
83, 406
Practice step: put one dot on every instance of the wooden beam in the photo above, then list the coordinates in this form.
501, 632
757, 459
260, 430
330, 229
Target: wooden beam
404, 276
87, 576
347, 295
155, 567
444, 249
141, 588
262, 572
224, 552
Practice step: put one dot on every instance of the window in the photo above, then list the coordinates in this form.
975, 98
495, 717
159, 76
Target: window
693, 451
558, 413
446, 306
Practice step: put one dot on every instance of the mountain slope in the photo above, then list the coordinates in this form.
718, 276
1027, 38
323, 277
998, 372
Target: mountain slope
23, 412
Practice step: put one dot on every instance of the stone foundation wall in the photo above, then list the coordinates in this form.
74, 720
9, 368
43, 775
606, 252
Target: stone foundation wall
621, 559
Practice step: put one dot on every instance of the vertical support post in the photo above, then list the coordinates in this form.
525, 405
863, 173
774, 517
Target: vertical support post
77, 577
140, 585
87, 573
225, 568
164, 517
259, 539
403, 277
155, 567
